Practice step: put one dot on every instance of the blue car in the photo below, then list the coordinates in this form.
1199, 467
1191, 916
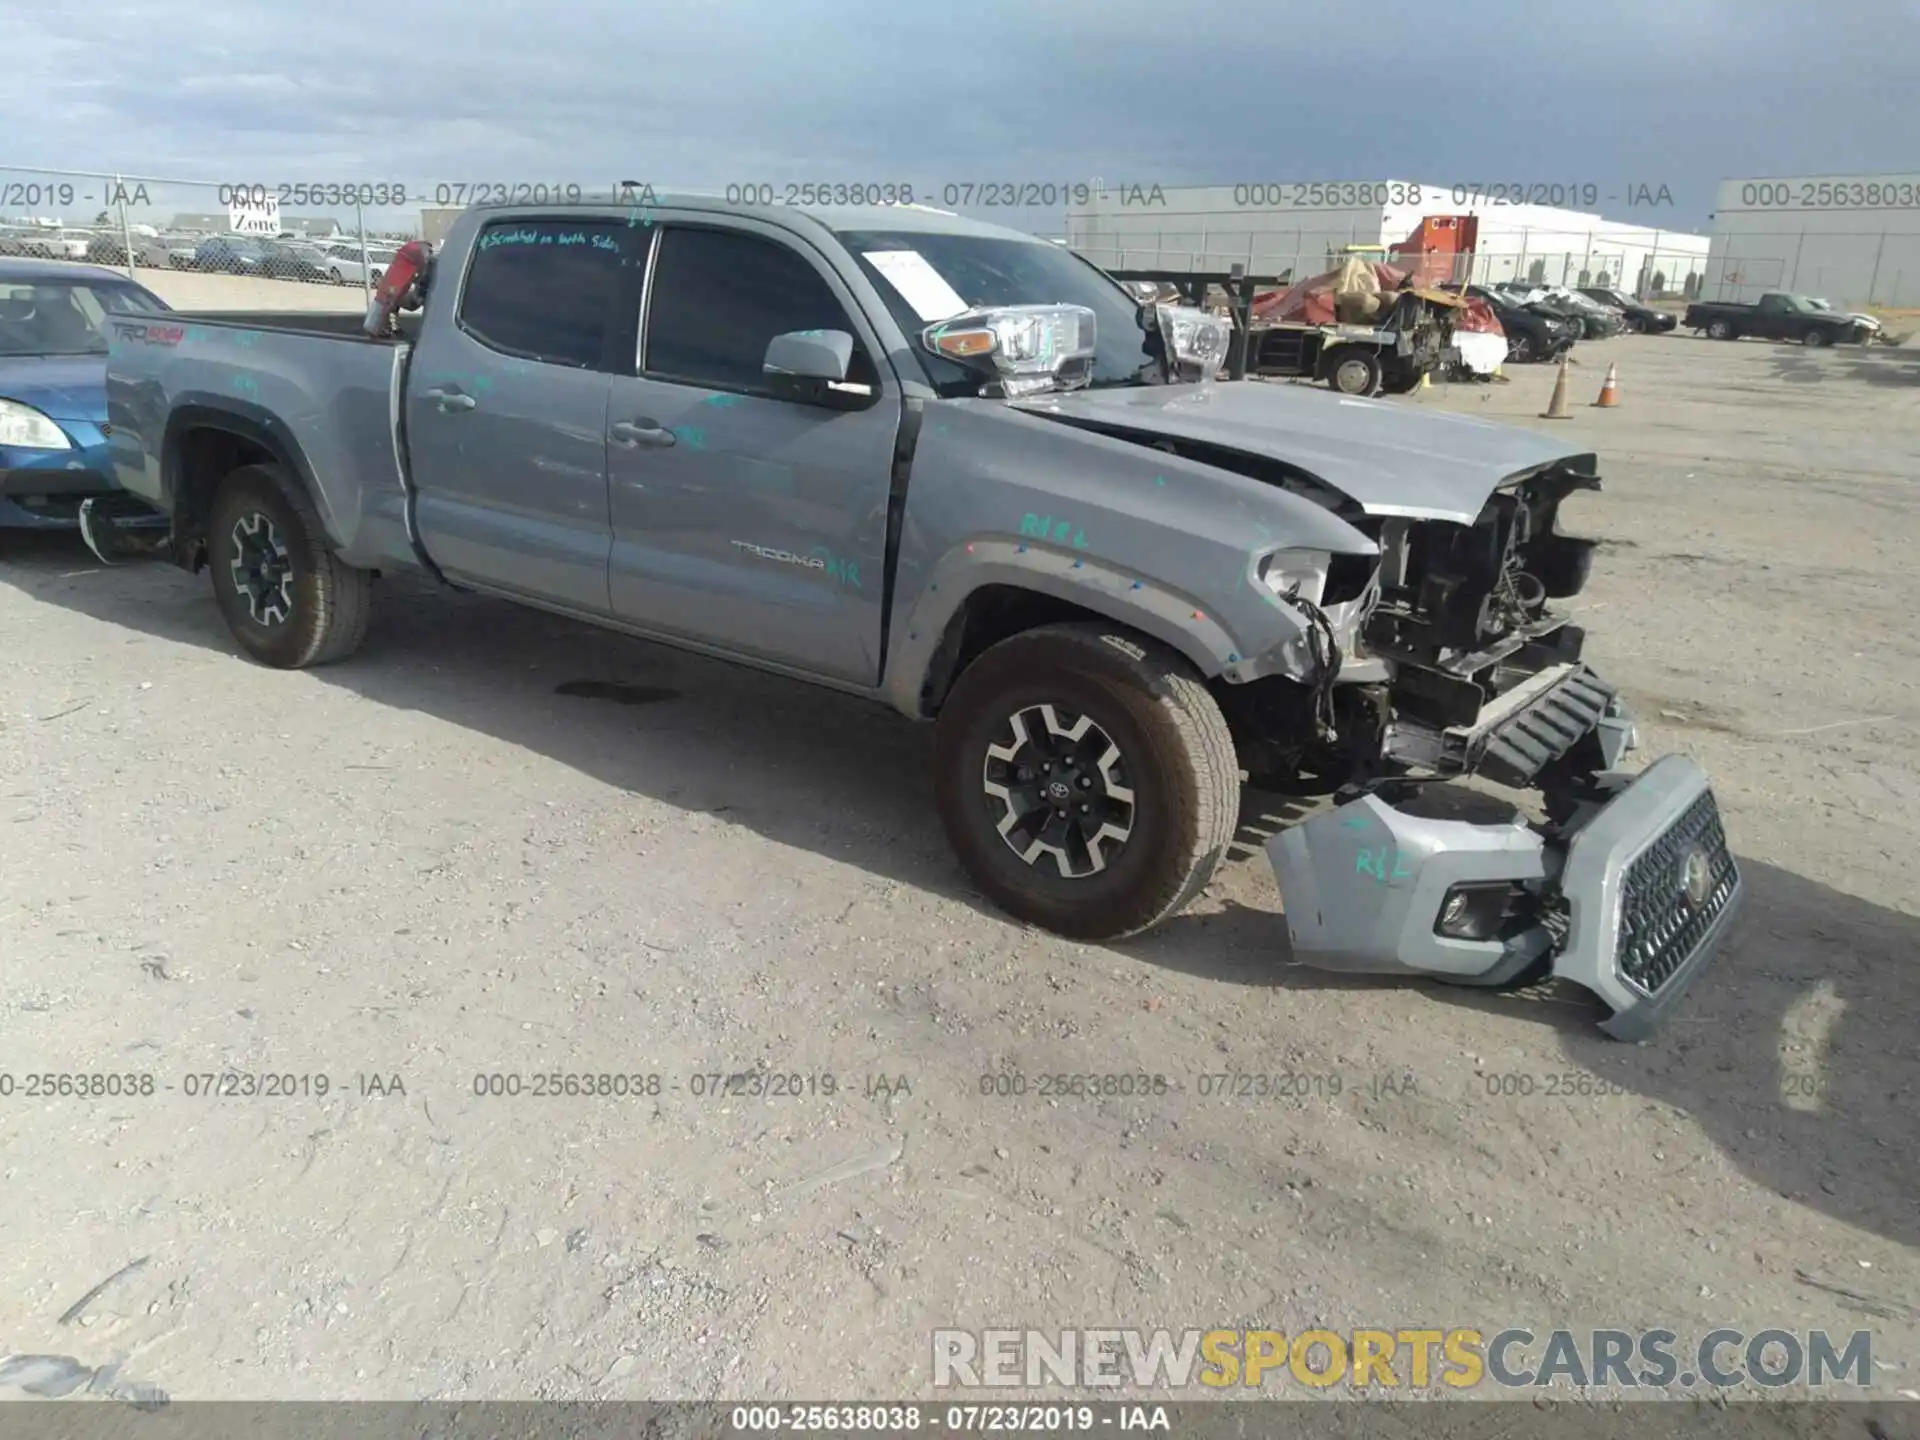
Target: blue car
53, 393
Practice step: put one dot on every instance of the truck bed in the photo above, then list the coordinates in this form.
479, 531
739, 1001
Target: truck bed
311, 388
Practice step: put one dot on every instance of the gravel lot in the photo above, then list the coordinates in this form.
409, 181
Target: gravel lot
431, 863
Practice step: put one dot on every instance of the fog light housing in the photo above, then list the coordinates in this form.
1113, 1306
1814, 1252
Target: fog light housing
1478, 911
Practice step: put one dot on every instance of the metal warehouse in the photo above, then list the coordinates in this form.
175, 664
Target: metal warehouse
1298, 228
1850, 239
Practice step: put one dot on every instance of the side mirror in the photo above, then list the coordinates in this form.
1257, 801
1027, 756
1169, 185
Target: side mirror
811, 366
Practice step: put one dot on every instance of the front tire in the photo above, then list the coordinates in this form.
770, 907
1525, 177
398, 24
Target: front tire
1816, 339
287, 598
1086, 779
1353, 370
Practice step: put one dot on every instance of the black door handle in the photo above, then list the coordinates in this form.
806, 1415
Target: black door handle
633, 433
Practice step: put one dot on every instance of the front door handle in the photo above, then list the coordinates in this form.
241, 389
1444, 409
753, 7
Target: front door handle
632, 433
448, 401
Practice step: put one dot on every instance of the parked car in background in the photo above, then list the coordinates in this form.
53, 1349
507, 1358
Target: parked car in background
230, 255
1596, 321
45, 242
1639, 318
1776, 316
176, 252
1532, 334
346, 267
295, 260
154, 252
53, 389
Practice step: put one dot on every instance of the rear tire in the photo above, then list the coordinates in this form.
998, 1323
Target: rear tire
1722, 330
288, 599
1061, 729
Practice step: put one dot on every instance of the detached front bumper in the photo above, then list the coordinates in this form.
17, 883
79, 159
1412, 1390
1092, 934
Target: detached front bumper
1631, 901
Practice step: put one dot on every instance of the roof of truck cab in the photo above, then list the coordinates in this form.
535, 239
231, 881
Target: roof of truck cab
910, 219
23, 268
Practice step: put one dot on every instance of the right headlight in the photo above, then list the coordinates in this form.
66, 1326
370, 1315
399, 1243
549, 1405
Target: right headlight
26, 427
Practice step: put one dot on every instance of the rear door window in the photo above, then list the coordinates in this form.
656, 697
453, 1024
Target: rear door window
548, 290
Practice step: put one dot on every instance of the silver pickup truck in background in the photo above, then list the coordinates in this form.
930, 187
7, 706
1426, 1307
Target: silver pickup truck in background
962, 471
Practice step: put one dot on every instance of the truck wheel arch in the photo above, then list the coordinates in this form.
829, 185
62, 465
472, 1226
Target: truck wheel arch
203, 445
948, 631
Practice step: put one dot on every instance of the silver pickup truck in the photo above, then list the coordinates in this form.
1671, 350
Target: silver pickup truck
963, 472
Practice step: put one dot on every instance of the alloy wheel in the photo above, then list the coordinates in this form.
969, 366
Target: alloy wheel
1062, 788
262, 569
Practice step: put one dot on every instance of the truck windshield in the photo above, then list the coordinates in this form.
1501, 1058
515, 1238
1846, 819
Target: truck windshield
64, 317
989, 270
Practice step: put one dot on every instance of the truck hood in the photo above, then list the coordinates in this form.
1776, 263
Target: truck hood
1388, 458
61, 387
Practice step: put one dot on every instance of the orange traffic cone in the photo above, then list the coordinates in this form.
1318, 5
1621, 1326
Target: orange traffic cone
1557, 407
1609, 389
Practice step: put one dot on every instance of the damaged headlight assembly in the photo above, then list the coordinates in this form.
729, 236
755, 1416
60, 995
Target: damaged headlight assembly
1020, 349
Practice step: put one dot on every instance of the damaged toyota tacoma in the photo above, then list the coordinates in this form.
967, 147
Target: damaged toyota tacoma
963, 472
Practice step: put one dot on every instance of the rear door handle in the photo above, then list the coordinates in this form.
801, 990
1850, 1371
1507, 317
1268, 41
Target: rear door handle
449, 401
633, 433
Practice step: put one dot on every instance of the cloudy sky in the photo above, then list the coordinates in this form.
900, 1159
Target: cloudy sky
1617, 93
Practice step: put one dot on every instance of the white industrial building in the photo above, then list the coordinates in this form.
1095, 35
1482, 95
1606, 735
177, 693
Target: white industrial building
1214, 227
1850, 239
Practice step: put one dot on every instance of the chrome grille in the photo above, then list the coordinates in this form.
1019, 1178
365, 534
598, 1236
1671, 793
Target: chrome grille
1661, 925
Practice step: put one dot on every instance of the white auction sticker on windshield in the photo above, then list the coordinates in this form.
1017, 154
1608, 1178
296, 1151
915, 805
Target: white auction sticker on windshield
919, 284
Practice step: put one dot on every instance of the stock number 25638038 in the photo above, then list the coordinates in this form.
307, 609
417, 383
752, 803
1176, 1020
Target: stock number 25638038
315, 192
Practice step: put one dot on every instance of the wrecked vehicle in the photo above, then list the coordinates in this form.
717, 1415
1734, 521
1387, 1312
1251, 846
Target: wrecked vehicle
1363, 328
958, 470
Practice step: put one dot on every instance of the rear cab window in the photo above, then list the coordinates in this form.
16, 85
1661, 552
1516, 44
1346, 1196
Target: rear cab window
550, 290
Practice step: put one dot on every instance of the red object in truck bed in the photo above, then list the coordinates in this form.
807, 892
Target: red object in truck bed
1311, 301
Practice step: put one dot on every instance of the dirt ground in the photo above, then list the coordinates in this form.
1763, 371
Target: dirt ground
431, 864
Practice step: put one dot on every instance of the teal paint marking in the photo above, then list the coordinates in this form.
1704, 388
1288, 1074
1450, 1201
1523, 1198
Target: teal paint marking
721, 401
1356, 822
495, 238
198, 332
637, 198
1047, 527
1160, 480
847, 572
689, 436
246, 385
1375, 863
246, 339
